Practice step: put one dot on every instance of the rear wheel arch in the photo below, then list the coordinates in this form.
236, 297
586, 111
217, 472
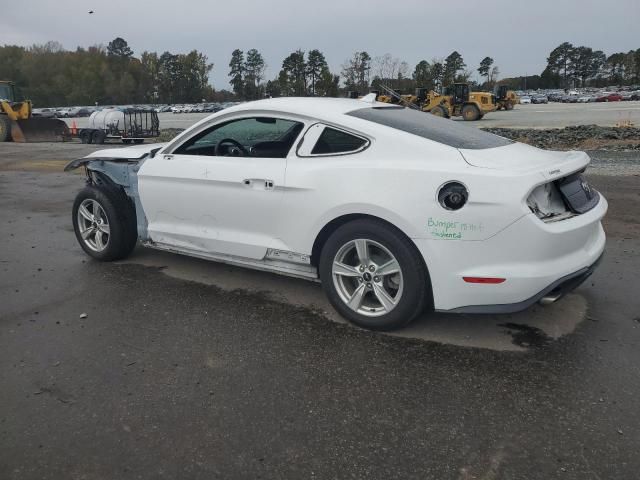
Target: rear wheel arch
333, 225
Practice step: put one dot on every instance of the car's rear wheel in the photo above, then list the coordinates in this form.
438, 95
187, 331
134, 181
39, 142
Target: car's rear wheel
373, 275
104, 223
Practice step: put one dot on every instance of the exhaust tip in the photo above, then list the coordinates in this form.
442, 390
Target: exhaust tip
550, 298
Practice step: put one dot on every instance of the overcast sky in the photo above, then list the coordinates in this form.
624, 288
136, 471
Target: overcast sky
518, 35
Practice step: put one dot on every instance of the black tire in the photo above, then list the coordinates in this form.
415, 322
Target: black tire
470, 113
98, 137
121, 220
5, 128
439, 111
85, 136
416, 289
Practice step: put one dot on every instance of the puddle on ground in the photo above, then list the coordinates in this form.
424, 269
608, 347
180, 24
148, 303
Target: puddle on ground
535, 327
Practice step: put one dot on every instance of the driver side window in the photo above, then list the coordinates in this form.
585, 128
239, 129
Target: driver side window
247, 137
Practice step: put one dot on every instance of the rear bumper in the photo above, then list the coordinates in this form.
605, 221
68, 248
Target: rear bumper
537, 259
554, 292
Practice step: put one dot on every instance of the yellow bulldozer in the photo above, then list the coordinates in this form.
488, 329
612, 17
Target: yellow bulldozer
17, 122
505, 99
456, 101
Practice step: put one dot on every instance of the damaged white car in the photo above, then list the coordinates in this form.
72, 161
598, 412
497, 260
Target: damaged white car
394, 211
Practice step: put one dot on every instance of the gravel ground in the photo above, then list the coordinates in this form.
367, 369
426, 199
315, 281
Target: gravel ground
581, 137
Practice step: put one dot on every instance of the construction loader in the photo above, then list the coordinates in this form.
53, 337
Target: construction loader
455, 102
18, 124
505, 98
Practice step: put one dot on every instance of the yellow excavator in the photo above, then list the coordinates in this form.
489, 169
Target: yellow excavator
18, 124
456, 101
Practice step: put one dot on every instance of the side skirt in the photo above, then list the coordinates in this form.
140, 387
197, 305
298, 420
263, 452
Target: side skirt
267, 264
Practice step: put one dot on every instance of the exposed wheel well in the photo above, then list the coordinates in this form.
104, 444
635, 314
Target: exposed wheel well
334, 224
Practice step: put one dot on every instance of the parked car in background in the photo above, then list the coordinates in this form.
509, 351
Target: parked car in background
609, 97
539, 99
585, 99
43, 112
525, 99
570, 99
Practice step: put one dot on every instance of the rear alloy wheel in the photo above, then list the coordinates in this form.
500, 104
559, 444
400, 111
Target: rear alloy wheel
470, 113
373, 275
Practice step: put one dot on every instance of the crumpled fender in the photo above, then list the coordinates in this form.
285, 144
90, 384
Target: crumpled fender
131, 154
80, 162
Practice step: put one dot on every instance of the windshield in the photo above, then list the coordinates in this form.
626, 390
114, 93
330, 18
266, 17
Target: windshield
425, 125
6, 92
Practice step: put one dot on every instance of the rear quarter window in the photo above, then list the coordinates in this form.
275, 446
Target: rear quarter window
425, 125
336, 141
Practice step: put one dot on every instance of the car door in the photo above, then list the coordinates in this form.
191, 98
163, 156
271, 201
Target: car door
219, 192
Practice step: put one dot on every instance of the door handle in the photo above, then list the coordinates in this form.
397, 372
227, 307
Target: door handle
258, 182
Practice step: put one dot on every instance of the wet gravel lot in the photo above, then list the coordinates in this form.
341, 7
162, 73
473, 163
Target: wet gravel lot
188, 369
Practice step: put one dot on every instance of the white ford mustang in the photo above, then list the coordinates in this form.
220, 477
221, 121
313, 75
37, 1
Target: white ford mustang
395, 211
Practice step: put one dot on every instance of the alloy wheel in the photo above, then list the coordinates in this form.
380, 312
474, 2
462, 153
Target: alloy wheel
367, 277
93, 225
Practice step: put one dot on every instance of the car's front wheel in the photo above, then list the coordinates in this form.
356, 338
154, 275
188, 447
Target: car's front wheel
373, 275
104, 223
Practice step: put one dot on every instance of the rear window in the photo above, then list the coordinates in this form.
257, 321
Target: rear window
429, 126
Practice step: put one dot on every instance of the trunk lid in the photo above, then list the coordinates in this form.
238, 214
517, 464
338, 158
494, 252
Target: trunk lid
522, 158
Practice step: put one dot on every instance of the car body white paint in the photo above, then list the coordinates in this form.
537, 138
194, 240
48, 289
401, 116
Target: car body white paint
203, 206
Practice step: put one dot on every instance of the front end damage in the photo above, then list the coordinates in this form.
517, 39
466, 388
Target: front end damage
118, 169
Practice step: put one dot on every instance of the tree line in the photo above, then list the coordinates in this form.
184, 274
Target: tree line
570, 66
53, 76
